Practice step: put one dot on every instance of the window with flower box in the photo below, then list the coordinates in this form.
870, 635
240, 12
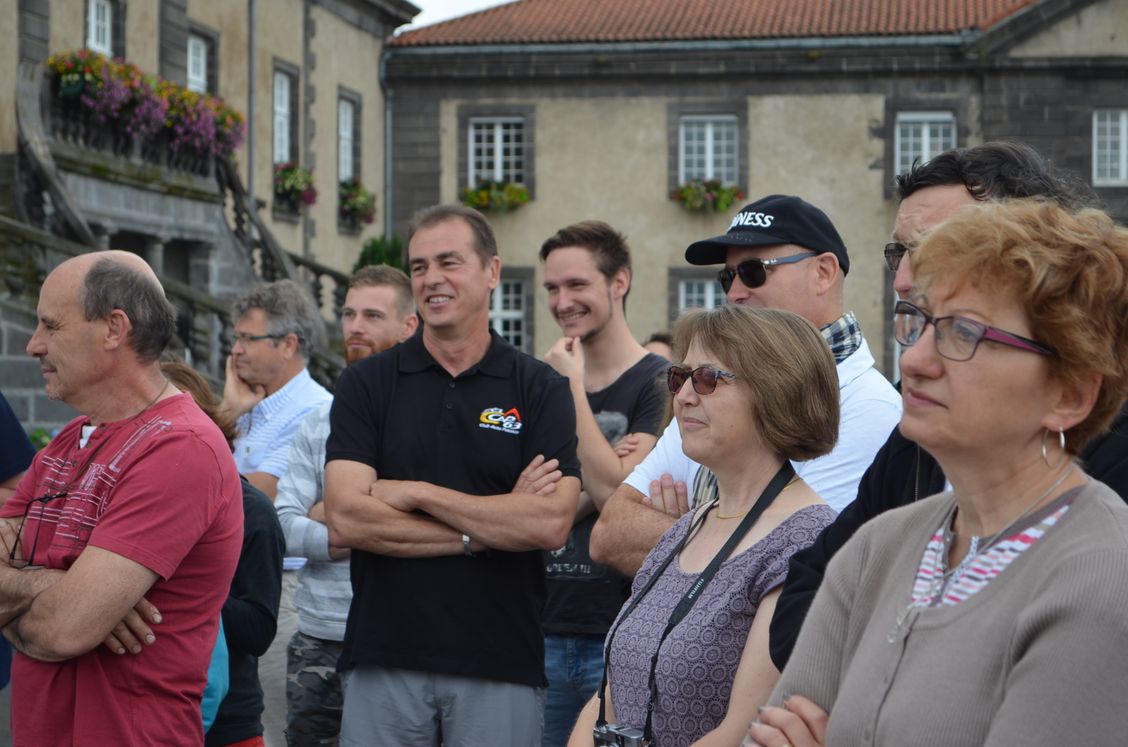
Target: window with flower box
707, 144
496, 146
1110, 147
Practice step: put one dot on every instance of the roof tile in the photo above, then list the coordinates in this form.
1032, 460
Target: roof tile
564, 21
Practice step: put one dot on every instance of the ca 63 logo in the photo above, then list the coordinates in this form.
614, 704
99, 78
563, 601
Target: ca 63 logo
497, 419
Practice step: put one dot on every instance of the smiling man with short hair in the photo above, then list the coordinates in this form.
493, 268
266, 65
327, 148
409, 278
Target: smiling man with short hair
614, 383
379, 312
424, 482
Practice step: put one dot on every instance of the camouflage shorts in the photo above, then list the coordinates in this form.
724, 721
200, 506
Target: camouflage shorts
313, 692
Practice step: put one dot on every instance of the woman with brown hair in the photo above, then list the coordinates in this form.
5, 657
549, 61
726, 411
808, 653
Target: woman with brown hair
688, 655
250, 614
993, 613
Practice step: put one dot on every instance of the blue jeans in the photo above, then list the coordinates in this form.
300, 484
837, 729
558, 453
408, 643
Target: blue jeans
574, 667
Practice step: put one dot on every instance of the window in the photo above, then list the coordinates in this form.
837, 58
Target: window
507, 312
497, 150
197, 63
699, 293
922, 135
708, 148
285, 140
1110, 147
100, 26
510, 308
348, 145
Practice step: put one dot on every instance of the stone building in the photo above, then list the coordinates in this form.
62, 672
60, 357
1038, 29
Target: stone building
602, 109
303, 73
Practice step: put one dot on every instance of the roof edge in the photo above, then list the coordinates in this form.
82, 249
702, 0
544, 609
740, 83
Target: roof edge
1010, 31
955, 39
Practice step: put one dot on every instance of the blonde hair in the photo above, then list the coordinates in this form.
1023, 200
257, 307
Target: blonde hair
1068, 270
786, 365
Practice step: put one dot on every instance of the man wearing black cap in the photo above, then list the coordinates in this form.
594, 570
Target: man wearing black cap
779, 252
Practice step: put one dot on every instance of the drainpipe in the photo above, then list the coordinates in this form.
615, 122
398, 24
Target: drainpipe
389, 98
250, 134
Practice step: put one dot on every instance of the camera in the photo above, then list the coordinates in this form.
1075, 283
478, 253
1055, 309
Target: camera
619, 736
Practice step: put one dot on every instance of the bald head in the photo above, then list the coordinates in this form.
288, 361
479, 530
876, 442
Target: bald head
120, 280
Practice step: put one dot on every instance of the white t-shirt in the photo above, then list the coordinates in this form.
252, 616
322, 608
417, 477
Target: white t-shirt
870, 409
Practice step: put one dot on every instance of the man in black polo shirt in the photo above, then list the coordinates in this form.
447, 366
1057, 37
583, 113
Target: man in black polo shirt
427, 443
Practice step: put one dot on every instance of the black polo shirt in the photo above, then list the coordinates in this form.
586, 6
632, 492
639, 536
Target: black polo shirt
401, 413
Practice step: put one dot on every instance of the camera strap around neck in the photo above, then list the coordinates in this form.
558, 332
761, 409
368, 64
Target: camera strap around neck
773, 489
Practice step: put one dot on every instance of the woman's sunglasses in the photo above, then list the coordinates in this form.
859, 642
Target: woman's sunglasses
704, 378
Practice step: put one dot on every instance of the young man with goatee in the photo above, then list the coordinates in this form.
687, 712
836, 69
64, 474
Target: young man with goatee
615, 385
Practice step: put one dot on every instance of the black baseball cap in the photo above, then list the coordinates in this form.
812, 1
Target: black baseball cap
770, 221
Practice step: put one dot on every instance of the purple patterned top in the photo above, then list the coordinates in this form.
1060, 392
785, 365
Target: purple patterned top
698, 660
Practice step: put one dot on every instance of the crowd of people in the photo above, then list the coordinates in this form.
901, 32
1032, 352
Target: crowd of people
739, 533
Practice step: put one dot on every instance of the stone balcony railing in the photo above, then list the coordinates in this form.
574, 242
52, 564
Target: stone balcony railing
76, 134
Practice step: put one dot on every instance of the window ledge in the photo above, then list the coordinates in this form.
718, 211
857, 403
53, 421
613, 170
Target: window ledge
285, 215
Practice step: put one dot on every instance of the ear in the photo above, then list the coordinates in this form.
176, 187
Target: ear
410, 324
290, 345
620, 283
1071, 405
494, 269
826, 272
118, 327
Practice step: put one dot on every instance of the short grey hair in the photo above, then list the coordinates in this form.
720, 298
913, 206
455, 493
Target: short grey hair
288, 308
112, 285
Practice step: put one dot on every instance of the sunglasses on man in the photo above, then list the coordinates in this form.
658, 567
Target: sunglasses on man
754, 272
895, 251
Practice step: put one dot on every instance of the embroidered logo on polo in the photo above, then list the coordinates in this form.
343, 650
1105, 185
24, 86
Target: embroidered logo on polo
497, 419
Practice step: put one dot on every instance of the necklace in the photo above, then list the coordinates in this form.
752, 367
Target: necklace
979, 547
745, 511
907, 617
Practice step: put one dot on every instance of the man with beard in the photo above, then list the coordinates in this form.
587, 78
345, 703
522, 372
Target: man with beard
614, 383
378, 313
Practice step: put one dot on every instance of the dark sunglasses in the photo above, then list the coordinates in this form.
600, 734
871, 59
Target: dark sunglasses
754, 272
894, 253
29, 560
704, 378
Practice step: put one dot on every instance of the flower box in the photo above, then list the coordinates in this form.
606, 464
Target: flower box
498, 197
701, 196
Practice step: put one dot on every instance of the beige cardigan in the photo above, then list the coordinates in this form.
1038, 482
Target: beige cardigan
1038, 657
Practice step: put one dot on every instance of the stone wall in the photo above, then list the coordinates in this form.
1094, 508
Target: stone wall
20, 377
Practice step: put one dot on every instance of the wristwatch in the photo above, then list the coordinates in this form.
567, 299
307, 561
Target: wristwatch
466, 545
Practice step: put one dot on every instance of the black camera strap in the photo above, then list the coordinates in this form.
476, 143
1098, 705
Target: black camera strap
773, 489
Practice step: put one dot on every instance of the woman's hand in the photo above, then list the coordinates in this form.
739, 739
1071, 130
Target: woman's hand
799, 723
